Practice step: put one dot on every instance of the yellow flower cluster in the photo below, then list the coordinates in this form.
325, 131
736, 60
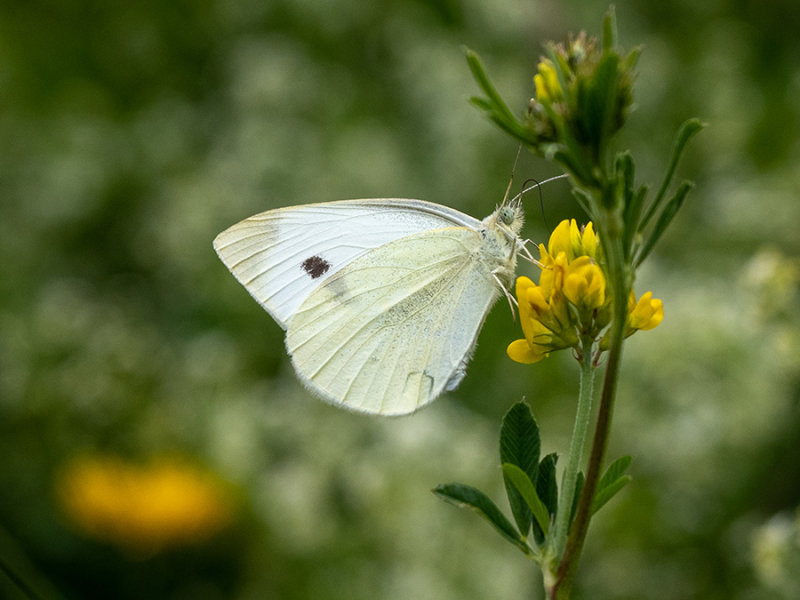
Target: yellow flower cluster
570, 303
143, 509
546, 83
583, 95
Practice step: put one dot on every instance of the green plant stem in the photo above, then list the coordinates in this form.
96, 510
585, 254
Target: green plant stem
583, 416
621, 284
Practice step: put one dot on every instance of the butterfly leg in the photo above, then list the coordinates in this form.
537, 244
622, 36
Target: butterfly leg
526, 253
512, 302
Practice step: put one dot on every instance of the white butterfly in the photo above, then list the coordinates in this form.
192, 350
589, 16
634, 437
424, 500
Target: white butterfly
382, 300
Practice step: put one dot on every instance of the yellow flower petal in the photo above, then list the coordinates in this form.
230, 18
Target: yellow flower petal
536, 300
521, 351
523, 283
647, 313
560, 240
585, 284
575, 240
589, 240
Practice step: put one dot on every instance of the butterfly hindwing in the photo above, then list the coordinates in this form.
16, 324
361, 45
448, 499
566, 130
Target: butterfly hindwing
394, 328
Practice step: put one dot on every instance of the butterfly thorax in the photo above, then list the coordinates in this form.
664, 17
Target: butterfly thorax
501, 230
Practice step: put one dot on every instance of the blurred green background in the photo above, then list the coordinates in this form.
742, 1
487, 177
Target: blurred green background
132, 133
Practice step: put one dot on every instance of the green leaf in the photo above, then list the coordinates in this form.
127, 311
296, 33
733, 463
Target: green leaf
519, 439
481, 103
527, 490
612, 481
482, 79
515, 130
687, 130
633, 212
547, 489
520, 446
560, 64
633, 202
609, 30
585, 201
597, 104
469, 497
615, 471
504, 121
609, 492
494, 106
546, 484
670, 210
624, 172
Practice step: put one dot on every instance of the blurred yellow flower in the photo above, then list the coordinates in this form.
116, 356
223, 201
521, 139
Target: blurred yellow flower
571, 301
583, 95
143, 508
645, 314
546, 82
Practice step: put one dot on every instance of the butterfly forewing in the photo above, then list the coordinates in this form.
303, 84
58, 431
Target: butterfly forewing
282, 256
395, 327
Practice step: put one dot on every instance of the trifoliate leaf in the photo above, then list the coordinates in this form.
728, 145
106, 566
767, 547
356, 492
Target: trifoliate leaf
520, 446
470, 497
527, 490
612, 481
547, 490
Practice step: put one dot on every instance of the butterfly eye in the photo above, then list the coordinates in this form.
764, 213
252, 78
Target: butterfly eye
507, 215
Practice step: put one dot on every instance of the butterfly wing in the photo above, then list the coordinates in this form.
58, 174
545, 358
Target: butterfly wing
281, 256
395, 328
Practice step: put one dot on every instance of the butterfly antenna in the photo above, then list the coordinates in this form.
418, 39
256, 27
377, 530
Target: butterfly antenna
511, 180
541, 199
538, 185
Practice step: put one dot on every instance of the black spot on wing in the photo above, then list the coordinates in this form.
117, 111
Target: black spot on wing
316, 266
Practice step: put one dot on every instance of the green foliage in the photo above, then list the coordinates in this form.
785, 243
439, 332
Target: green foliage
523, 485
669, 208
547, 490
530, 484
469, 497
519, 447
612, 481
493, 106
583, 96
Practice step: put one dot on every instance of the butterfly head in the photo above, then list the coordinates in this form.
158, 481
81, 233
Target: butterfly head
509, 217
